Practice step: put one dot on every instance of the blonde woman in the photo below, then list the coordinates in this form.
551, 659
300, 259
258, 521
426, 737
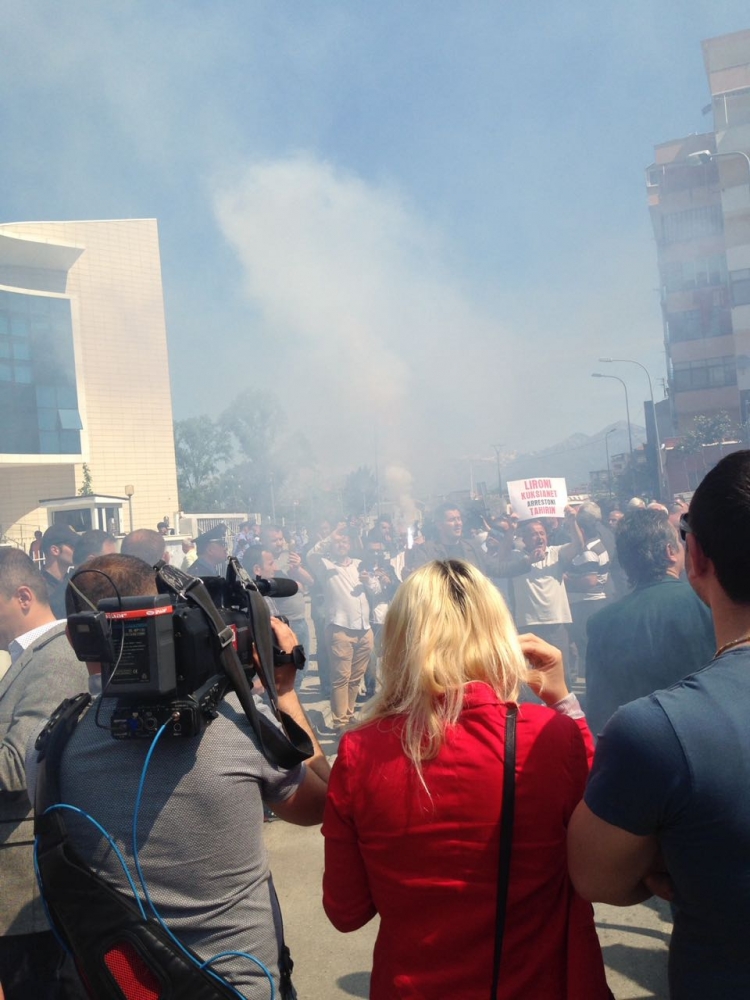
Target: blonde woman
414, 810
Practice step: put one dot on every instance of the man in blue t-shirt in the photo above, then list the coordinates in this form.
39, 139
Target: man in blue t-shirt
667, 809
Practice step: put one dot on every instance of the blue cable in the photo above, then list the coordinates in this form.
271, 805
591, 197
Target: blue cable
107, 837
241, 954
205, 965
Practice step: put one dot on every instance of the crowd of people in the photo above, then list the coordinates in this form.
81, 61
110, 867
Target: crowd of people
476, 804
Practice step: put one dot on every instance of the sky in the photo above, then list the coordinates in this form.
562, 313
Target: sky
419, 224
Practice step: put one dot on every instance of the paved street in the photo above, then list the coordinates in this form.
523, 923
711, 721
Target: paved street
330, 965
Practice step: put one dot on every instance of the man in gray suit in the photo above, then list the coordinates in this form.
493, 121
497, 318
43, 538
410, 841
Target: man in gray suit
43, 670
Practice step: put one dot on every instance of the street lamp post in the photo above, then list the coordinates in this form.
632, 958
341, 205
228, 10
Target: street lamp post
657, 442
497, 448
129, 491
705, 156
609, 470
627, 413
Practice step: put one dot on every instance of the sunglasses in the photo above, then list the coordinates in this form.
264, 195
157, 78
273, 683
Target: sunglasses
685, 528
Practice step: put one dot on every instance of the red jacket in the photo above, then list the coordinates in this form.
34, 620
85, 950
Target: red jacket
427, 863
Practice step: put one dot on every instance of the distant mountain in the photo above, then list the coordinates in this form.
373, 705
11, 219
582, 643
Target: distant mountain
575, 457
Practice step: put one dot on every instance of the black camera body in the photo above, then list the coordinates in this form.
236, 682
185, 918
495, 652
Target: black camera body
163, 656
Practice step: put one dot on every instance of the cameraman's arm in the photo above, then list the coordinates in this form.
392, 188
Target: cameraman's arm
305, 807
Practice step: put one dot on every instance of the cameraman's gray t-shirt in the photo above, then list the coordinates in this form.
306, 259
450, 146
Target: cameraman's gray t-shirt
200, 832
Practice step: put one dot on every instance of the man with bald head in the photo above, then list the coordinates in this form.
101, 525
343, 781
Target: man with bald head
145, 544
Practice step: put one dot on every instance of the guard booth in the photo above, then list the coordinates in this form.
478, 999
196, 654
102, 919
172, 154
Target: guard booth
82, 513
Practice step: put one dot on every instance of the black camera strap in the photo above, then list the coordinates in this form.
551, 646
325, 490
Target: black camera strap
287, 747
507, 817
105, 930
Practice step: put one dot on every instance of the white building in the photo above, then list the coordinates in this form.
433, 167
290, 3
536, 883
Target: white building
84, 374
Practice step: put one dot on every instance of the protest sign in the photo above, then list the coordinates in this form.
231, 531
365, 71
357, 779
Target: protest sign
538, 497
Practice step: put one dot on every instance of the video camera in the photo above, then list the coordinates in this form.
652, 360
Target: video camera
171, 657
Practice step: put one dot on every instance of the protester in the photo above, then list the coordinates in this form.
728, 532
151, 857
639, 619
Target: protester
289, 566
540, 601
615, 516
348, 636
380, 581
414, 811
587, 578
449, 541
666, 809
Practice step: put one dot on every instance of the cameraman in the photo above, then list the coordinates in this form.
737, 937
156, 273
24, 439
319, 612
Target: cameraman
201, 817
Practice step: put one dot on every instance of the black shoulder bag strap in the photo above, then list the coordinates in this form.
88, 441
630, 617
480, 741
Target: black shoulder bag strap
506, 840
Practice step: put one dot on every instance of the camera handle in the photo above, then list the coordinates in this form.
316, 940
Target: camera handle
287, 747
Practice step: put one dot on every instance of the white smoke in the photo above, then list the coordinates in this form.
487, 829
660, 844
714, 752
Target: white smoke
375, 340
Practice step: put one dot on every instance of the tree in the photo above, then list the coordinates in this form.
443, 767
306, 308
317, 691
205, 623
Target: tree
360, 491
703, 431
201, 448
253, 421
86, 488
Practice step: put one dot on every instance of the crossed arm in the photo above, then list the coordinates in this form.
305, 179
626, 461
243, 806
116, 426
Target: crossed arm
608, 864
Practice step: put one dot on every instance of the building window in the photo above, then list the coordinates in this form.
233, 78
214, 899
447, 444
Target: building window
740, 287
38, 396
732, 108
691, 224
695, 324
702, 272
710, 374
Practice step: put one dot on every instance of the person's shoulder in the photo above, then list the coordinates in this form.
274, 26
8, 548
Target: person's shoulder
540, 718
637, 721
369, 740
53, 642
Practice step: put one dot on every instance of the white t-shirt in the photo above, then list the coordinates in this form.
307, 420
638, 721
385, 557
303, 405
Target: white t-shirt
540, 596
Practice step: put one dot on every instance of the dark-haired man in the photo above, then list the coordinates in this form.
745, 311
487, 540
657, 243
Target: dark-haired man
540, 601
654, 636
57, 550
448, 543
667, 806
58, 544
202, 854
93, 543
43, 671
348, 636
288, 564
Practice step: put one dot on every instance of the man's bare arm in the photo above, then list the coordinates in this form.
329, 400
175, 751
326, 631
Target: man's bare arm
305, 806
606, 863
576, 544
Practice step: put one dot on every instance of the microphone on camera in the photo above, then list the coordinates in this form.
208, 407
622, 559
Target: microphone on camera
278, 586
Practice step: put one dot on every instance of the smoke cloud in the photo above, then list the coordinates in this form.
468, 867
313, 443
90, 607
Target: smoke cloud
380, 344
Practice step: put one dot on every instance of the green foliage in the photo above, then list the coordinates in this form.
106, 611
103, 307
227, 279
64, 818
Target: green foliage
86, 489
704, 430
201, 447
238, 462
707, 430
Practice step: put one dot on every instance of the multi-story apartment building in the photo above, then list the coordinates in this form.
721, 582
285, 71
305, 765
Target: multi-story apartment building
699, 200
84, 374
